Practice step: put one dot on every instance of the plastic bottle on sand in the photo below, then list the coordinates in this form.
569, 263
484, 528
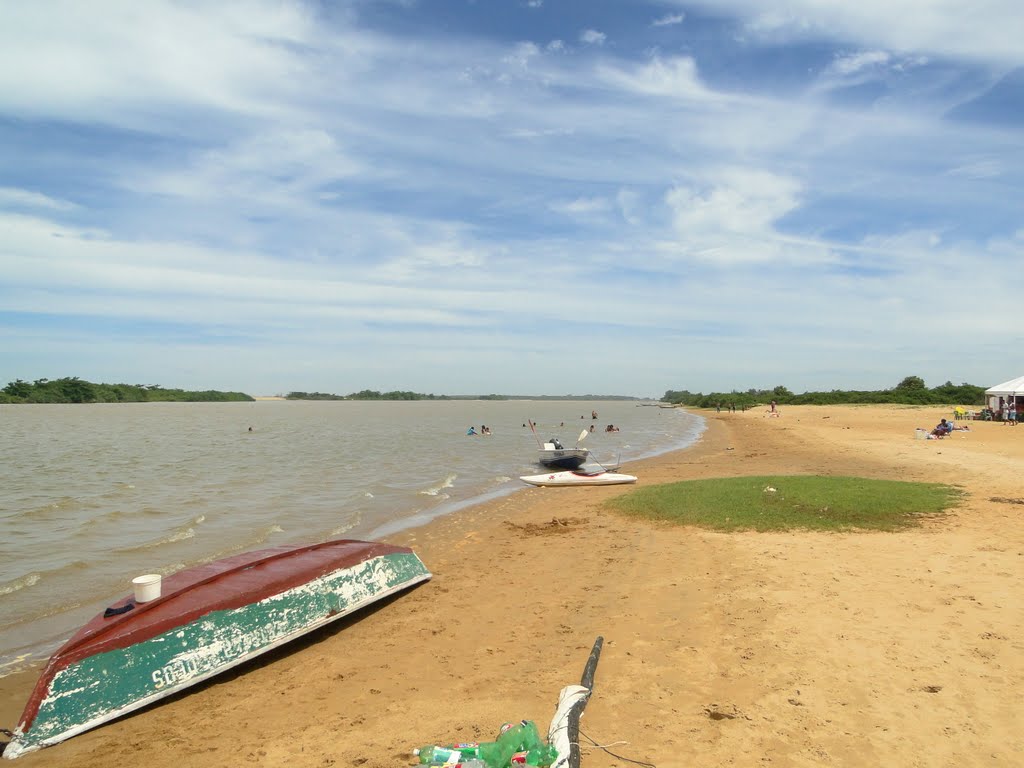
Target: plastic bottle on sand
452, 755
520, 737
538, 757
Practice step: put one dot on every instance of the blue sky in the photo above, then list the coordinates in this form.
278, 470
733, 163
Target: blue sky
522, 197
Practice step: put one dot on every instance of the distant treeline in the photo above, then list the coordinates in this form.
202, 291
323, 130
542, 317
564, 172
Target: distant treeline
75, 390
369, 394
910, 391
366, 394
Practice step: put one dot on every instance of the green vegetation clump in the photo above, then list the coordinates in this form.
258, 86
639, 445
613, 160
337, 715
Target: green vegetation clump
74, 390
910, 391
783, 503
366, 394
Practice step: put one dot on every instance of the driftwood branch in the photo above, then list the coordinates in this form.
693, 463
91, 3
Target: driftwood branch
587, 681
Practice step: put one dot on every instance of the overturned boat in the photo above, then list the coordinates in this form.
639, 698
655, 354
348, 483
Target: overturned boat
198, 623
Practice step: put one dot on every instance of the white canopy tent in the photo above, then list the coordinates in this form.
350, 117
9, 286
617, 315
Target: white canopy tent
1001, 393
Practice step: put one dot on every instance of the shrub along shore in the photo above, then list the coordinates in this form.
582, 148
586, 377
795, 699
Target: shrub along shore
74, 390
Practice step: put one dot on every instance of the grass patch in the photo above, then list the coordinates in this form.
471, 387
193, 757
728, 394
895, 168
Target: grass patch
782, 503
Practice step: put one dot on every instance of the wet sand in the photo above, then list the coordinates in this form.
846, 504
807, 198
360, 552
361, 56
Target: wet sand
796, 649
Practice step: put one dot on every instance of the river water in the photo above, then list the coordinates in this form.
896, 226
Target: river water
93, 495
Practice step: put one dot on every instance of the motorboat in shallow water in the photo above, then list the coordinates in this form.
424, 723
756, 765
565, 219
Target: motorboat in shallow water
552, 454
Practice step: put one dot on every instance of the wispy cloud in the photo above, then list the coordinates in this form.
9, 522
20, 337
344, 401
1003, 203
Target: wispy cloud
583, 206
239, 59
851, 64
23, 198
668, 20
938, 27
981, 168
675, 77
733, 201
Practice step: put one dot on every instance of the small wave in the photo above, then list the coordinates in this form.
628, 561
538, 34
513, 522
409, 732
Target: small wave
181, 533
21, 582
347, 522
116, 515
117, 490
20, 662
41, 610
435, 490
45, 511
245, 545
108, 517
502, 479
343, 529
33, 578
368, 495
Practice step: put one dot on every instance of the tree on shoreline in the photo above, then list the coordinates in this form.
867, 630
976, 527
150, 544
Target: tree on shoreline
910, 391
72, 389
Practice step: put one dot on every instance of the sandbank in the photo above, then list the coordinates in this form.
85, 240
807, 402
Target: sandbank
796, 649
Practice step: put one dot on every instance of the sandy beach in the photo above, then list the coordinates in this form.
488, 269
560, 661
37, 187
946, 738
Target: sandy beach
796, 649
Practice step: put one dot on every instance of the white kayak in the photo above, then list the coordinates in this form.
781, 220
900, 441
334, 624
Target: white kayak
578, 478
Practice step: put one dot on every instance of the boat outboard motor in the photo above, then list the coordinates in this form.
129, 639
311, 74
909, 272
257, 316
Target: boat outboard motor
554, 442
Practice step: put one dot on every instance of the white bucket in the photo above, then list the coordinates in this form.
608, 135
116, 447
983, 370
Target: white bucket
147, 587
921, 434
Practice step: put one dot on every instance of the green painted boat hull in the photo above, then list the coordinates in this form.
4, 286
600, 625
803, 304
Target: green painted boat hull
107, 685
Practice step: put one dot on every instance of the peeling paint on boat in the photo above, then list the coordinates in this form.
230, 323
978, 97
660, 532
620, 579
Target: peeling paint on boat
106, 685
